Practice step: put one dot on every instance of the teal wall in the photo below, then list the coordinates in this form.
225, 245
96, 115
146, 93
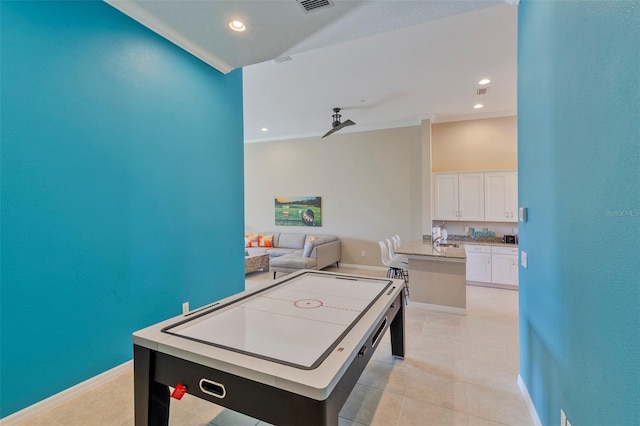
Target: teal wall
579, 176
122, 190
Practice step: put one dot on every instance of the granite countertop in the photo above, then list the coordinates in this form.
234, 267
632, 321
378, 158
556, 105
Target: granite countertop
419, 248
484, 243
479, 241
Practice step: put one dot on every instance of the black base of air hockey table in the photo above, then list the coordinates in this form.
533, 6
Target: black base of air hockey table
158, 368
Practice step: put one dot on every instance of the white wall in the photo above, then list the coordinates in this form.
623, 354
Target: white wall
370, 184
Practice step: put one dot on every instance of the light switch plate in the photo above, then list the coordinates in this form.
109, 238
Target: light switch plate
523, 259
522, 214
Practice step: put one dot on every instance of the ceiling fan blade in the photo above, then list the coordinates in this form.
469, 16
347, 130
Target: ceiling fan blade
338, 127
347, 123
335, 129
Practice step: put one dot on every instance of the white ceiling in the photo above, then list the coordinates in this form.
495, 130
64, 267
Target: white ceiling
387, 63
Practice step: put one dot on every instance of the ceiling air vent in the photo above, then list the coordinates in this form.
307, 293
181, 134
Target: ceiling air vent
313, 5
482, 91
282, 59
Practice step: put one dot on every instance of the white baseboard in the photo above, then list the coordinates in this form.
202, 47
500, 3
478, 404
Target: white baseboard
527, 399
66, 395
492, 285
440, 308
356, 266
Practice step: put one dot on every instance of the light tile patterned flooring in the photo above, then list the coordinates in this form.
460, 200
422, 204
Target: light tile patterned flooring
458, 370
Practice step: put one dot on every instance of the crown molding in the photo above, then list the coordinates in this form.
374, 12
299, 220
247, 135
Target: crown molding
477, 116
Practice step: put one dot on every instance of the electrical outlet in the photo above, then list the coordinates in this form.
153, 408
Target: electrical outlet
523, 259
362, 253
185, 308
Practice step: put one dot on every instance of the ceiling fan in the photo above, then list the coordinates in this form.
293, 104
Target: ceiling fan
337, 125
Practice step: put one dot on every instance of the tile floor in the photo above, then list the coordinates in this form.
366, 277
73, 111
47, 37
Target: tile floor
458, 370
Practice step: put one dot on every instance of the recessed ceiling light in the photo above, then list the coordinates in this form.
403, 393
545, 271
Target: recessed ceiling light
237, 26
484, 81
478, 106
264, 129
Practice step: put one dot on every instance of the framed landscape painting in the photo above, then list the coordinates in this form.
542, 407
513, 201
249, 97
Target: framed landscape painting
298, 211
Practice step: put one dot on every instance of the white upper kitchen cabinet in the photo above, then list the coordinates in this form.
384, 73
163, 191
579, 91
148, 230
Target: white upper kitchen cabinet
458, 196
445, 191
501, 196
471, 196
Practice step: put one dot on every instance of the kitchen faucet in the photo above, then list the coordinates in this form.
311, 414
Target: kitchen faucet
436, 241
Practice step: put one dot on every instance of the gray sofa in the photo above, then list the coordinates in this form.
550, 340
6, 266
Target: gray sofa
292, 251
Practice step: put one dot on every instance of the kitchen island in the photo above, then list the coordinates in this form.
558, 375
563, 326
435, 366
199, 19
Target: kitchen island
437, 275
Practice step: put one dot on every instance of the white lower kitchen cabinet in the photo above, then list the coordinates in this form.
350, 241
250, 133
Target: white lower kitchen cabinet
496, 265
504, 269
478, 263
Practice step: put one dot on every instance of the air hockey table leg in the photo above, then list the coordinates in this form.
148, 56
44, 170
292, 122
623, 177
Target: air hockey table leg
397, 329
151, 399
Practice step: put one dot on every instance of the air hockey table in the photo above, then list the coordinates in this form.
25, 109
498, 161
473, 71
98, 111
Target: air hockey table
288, 353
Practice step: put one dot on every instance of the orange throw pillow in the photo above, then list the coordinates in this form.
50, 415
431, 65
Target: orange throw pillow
265, 240
251, 240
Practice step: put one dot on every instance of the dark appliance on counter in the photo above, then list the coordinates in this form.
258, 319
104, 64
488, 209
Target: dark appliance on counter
510, 239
